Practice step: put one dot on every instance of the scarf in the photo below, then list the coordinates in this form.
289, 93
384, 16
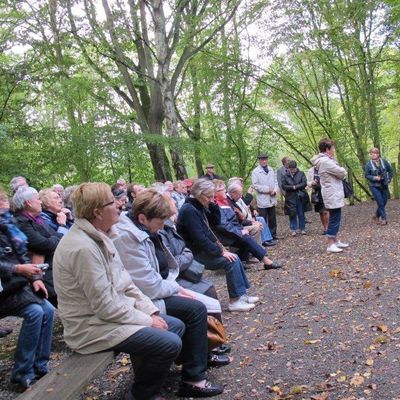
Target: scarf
265, 169
17, 238
38, 219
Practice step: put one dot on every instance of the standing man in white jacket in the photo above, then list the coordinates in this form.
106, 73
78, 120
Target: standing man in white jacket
265, 184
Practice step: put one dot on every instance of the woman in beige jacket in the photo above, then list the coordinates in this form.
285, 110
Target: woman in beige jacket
100, 307
331, 178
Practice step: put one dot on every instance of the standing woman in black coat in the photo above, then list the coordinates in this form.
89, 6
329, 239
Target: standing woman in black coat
42, 239
297, 202
22, 294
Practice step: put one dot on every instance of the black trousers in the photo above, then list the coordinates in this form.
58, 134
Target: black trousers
269, 215
194, 353
152, 351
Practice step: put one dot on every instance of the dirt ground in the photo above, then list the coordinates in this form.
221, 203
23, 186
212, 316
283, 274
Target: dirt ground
328, 325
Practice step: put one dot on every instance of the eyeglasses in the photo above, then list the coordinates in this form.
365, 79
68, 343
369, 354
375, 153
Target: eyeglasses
108, 204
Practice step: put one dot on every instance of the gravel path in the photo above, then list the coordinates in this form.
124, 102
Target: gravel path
328, 326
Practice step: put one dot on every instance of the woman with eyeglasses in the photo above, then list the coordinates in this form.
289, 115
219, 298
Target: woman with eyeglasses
99, 305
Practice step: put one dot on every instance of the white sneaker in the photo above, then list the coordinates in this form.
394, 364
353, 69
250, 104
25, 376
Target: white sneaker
333, 249
341, 245
240, 305
250, 299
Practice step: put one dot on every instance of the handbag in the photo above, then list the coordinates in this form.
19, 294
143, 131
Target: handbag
193, 273
215, 332
314, 197
347, 189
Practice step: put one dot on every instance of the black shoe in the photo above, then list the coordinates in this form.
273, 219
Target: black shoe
274, 265
5, 331
223, 349
40, 374
217, 360
209, 390
23, 383
269, 243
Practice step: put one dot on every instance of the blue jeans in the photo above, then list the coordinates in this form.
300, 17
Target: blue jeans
381, 195
247, 245
34, 342
266, 233
298, 221
153, 351
236, 278
334, 222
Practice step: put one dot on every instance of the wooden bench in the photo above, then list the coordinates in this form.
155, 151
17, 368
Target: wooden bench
70, 378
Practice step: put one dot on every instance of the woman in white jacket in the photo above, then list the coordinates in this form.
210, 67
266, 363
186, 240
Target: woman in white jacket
331, 179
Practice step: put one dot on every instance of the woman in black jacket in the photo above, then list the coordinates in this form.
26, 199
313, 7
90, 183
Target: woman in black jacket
194, 220
21, 295
297, 202
42, 239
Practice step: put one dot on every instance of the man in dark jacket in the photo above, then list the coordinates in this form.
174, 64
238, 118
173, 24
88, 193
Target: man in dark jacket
210, 173
297, 201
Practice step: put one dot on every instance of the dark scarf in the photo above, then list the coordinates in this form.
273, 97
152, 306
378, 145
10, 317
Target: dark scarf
17, 238
38, 219
265, 169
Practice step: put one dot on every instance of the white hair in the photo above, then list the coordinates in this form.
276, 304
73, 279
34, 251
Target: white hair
161, 188
202, 186
235, 187
15, 183
58, 186
23, 194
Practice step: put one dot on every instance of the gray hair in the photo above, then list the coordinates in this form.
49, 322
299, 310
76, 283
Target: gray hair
235, 187
58, 186
15, 183
161, 188
67, 195
23, 194
201, 186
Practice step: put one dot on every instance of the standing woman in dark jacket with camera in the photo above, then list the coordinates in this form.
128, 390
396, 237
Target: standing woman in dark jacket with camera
42, 239
21, 295
297, 202
379, 173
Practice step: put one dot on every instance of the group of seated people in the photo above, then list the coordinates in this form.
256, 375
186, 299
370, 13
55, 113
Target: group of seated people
123, 266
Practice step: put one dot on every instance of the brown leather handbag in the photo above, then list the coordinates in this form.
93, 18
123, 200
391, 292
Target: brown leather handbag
215, 332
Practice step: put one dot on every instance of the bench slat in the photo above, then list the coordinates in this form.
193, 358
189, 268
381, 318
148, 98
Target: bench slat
70, 378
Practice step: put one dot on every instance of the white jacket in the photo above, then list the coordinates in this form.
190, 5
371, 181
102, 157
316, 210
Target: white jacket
331, 177
139, 258
263, 184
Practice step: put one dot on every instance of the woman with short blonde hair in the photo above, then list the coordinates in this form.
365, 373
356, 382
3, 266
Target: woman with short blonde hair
99, 306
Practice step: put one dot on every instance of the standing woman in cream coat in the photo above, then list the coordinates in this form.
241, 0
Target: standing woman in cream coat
331, 178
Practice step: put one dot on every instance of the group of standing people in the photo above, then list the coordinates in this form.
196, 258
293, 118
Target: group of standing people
326, 180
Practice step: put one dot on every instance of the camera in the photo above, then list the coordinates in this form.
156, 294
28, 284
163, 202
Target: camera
43, 267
